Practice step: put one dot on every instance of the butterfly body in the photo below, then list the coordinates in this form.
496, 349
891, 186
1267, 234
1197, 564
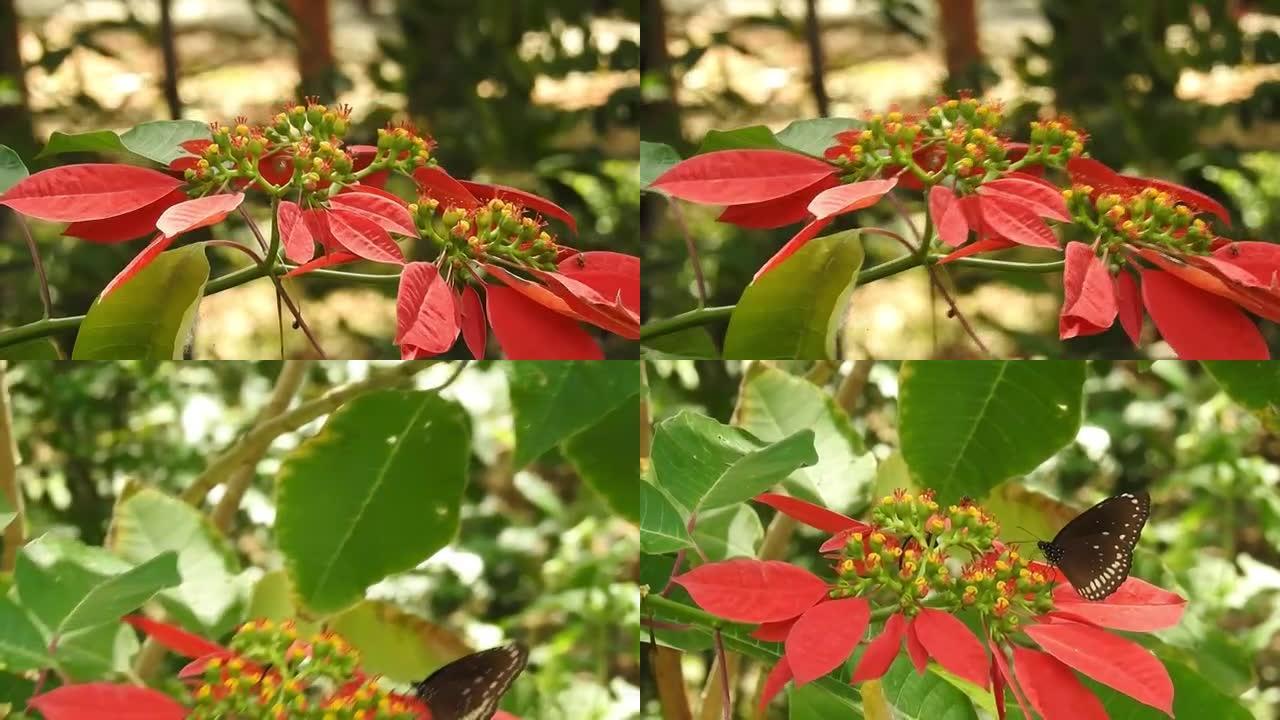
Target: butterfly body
1095, 549
470, 687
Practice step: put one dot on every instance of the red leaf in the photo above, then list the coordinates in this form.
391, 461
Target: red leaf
770, 214
948, 216
361, 187
606, 313
1013, 222
741, 177
341, 257
1199, 325
438, 184
915, 649
197, 667
773, 684
848, 198
425, 315
532, 290
474, 329
91, 191
1087, 171
997, 684
1040, 198
1136, 606
1260, 259
807, 233
129, 226
608, 273
1194, 199
1129, 302
753, 591
952, 644
526, 330
363, 237
276, 169
881, 651
389, 214
810, 514
1111, 660
158, 245
978, 247
483, 191
1089, 294
317, 222
1052, 689
1207, 273
825, 636
299, 246
773, 631
200, 212
175, 638
105, 701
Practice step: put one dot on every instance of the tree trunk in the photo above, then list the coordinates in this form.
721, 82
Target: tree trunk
817, 61
315, 48
959, 26
15, 119
169, 54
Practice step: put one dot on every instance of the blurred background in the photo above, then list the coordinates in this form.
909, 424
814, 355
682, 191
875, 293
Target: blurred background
1211, 465
538, 94
538, 556
1186, 91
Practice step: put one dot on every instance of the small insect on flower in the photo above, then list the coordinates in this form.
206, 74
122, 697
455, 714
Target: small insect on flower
470, 687
1095, 549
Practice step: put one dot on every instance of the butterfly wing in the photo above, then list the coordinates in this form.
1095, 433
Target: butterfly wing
1095, 549
470, 687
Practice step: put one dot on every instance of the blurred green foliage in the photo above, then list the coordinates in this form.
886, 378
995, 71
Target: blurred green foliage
538, 556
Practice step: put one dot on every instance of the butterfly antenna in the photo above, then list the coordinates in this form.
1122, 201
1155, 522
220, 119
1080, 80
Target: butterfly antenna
1033, 537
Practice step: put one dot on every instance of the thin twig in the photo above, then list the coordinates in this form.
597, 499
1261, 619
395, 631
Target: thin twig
693, 252
35, 259
934, 276
297, 314
726, 702
15, 534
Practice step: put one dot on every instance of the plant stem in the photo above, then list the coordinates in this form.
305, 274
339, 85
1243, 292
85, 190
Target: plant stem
35, 260
14, 534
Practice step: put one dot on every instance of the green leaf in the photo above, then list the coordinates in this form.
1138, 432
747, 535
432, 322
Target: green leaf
655, 159
73, 587
162, 140
700, 464
726, 532
552, 401
11, 168
891, 474
661, 528
38, 349
150, 523
150, 316
1256, 385
395, 644
755, 137
796, 309
815, 136
774, 404
1021, 511
375, 492
158, 141
96, 141
813, 702
99, 651
967, 426
22, 647
923, 697
693, 343
606, 456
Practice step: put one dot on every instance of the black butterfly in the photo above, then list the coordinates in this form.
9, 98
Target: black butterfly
470, 687
1095, 549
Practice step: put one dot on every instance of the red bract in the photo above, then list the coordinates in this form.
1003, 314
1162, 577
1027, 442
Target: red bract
1087, 171
814, 516
824, 637
948, 216
158, 244
785, 210
741, 177
299, 246
1089, 298
195, 214
341, 257
175, 638
1136, 606
362, 236
1052, 689
951, 644
92, 191
774, 683
474, 329
426, 319
881, 651
443, 187
129, 226
849, 198
104, 701
753, 591
484, 191
1199, 325
1111, 660
529, 331
390, 214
